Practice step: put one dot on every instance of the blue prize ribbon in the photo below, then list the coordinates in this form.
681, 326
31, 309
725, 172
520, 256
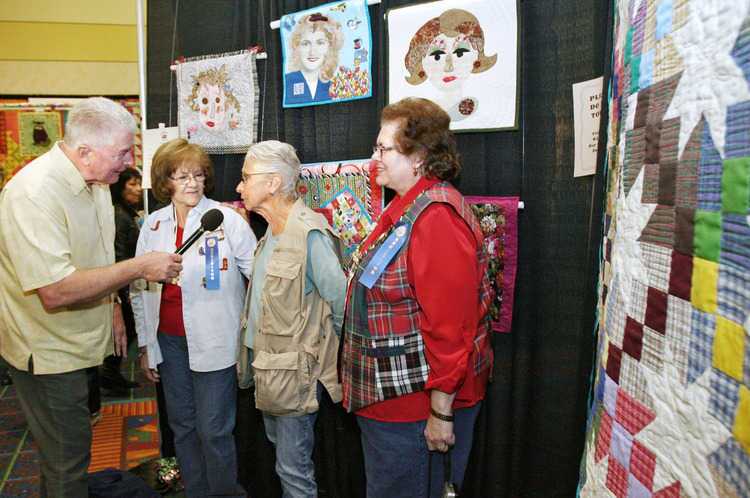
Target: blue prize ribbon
212, 263
384, 255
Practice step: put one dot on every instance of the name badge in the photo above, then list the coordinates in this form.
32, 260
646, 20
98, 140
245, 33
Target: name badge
212, 277
384, 255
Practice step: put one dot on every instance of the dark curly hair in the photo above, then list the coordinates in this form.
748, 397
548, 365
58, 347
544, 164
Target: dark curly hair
424, 128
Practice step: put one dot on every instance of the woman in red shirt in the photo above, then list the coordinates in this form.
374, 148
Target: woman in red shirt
416, 354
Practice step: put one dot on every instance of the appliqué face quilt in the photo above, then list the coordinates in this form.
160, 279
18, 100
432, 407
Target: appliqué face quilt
218, 101
670, 415
462, 55
327, 54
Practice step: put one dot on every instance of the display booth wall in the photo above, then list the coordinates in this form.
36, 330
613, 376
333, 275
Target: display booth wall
530, 434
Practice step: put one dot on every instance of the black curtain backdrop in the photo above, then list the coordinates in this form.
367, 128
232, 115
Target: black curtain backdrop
529, 437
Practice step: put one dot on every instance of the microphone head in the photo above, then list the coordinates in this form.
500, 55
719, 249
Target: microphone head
211, 220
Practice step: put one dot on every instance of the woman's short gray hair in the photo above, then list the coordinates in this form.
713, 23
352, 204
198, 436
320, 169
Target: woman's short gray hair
280, 158
95, 121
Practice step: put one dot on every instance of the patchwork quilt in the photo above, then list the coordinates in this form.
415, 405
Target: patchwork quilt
347, 195
670, 413
27, 131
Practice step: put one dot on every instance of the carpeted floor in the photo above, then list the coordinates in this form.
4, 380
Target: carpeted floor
126, 435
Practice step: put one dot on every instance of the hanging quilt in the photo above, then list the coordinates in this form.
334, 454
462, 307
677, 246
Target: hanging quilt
347, 195
39, 131
670, 413
327, 54
218, 101
28, 130
461, 54
498, 217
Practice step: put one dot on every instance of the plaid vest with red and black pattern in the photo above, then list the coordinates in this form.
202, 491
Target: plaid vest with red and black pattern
382, 354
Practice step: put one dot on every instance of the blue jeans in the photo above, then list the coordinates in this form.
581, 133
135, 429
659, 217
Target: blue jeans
398, 463
202, 408
294, 439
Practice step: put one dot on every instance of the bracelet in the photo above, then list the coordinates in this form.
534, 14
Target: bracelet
142, 352
440, 416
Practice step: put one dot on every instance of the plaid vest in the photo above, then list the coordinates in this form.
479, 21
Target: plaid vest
382, 351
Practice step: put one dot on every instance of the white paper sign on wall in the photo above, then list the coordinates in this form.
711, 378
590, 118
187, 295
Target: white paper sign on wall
587, 106
152, 139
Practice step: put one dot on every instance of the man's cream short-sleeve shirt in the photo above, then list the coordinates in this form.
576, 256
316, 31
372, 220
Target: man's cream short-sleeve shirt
51, 224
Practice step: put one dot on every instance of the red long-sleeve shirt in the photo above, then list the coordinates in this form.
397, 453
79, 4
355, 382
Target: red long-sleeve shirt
442, 270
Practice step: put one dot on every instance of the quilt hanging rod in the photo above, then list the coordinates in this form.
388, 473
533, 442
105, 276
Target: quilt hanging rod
259, 55
277, 23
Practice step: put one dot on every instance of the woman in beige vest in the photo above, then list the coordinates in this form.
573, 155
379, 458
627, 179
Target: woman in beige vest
295, 310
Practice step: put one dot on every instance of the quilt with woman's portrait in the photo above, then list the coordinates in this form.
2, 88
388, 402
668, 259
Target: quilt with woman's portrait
218, 101
327, 54
461, 54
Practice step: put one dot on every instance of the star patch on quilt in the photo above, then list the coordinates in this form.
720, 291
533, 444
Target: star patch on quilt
674, 303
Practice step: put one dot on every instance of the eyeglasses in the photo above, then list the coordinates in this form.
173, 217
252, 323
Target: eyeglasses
246, 176
380, 149
184, 179
119, 156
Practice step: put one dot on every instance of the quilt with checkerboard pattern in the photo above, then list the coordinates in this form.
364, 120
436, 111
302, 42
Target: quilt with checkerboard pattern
670, 413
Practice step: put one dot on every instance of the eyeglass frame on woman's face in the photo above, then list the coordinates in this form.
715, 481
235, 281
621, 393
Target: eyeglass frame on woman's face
246, 176
379, 149
199, 177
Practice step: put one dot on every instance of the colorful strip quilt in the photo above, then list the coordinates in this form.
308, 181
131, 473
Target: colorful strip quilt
498, 217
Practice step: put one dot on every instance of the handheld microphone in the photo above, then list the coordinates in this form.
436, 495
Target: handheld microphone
210, 221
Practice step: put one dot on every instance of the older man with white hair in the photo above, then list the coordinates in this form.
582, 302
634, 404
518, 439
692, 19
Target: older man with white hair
58, 283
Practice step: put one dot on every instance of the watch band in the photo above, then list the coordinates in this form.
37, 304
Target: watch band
440, 416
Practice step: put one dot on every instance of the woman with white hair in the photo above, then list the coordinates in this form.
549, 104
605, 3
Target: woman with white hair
293, 312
